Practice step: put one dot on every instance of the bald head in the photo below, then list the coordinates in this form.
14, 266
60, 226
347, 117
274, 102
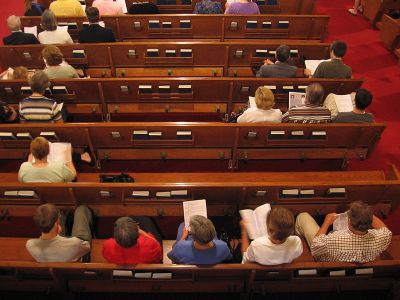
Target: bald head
314, 94
14, 23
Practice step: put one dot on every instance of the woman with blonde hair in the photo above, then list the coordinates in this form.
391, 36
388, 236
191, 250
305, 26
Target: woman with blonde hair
52, 35
264, 111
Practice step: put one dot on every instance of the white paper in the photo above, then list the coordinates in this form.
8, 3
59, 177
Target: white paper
32, 30
62, 28
102, 24
252, 102
343, 103
60, 152
83, 7
296, 99
192, 208
341, 222
256, 220
123, 5
312, 64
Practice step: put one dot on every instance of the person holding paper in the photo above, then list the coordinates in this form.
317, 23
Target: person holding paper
56, 67
17, 37
339, 103
53, 246
39, 169
279, 246
264, 111
94, 33
107, 7
363, 241
199, 244
281, 68
136, 241
67, 8
51, 34
363, 99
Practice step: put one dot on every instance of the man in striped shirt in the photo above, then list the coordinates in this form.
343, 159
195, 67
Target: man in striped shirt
364, 240
312, 112
37, 107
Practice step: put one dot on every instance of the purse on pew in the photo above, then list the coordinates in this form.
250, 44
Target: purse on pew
116, 178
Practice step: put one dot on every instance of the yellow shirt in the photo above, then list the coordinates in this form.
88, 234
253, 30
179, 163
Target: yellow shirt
67, 8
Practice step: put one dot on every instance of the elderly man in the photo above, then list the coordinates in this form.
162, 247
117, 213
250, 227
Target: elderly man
17, 37
365, 238
311, 112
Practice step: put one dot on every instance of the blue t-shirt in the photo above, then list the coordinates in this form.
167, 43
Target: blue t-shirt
185, 253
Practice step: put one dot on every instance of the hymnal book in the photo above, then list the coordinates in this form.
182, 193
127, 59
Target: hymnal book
59, 152
296, 99
312, 64
192, 208
343, 103
32, 30
122, 3
256, 220
341, 222
62, 28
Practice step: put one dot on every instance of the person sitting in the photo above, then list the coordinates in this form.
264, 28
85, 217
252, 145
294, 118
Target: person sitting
363, 99
132, 244
107, 7
330, 103
94, 33
264, 111
208, 7
334, 68
312, 111
242, 7
52, 35
281, 68
365, 238
67, 8
15, 73
143, 8
279, 247
53, 246
17, 37
56, 67
39, 169
200, 245
7, 113
33, 9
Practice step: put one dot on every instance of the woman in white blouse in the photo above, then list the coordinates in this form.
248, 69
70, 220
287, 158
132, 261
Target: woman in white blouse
264, 111
52, 35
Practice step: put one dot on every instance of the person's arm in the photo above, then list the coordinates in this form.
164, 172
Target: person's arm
245, 237
377, 223
71, 167
185, 234
329, 218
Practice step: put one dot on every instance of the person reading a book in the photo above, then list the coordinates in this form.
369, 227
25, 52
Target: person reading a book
361, 240
52, 245
39, 169
281, 68
51, 33
199, 245
136, 241
311, 112
278, 245
363, 99
56, 67
264, 111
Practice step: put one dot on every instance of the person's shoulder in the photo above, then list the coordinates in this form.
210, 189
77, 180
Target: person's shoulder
25, 165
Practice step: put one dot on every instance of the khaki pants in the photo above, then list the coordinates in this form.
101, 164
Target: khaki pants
306, 227
82, 223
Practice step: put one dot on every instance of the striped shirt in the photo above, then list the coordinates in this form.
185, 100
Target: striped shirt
39, 109
344, 245
307, 114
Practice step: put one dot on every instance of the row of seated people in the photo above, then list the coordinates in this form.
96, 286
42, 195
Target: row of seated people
137, 240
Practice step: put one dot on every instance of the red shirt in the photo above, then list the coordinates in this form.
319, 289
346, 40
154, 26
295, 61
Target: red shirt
146, 250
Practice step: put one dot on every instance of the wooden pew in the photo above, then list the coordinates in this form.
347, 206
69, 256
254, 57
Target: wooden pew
390, 32
375, 9
167, 59
169, 99
209, 27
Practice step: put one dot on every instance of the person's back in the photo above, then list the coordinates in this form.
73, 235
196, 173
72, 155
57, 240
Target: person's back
51, 34
55, 171
143, 8
34, 9
239, 8
17, 37
94, 33
67, 8
362, 100
208, 7
277, 70
108, 7
351, 117
60, 72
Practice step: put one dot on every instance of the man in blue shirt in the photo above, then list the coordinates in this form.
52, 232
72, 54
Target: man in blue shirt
200, 245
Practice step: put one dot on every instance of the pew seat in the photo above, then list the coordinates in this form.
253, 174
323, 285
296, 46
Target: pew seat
390, 32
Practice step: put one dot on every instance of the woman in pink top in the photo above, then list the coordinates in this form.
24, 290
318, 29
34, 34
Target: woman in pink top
242, 7
108, 7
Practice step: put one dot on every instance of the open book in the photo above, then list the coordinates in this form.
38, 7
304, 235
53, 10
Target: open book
59, 152
296, 99
256, 220
192, 208
341, 222
343, 103
312, 64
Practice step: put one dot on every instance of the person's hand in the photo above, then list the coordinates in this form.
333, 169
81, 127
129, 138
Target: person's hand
185, 234
307, 72
330, 218
268, 62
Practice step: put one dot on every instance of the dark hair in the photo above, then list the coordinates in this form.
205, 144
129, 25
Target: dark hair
283, 53
45, 217
48, 20
363, 99
40, 147
5, 112
280, 223
314, 93
53, 55
360, 216
339, 48
93, 14
39, 82
126, 232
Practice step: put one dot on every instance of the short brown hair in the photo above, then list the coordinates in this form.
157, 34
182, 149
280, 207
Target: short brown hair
40, 147
39, 82
280, 223
49, 20
93, 14
360, 216
264, 98
20, 73
45, 217
53, 55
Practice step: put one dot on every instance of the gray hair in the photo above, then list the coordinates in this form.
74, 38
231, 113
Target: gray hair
49, 20
202, 229
14, 23
314, 94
